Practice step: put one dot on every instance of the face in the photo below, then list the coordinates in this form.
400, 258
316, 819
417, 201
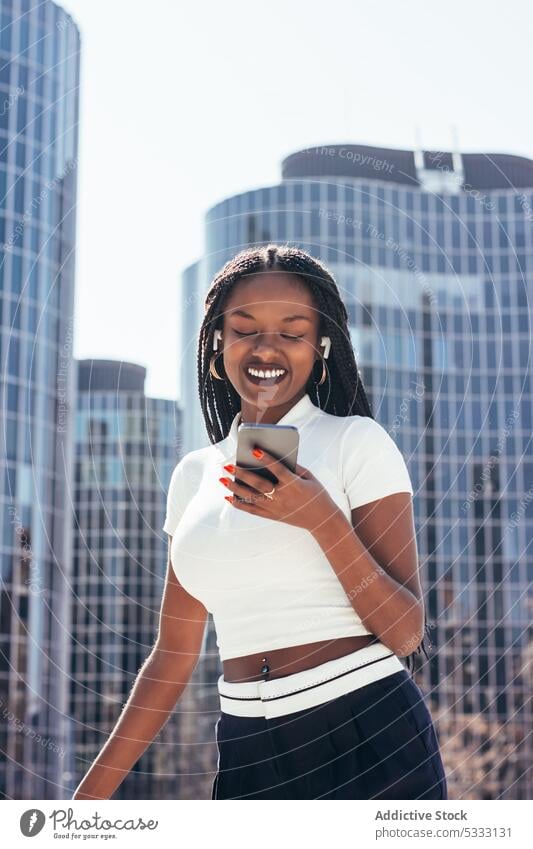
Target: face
270, 321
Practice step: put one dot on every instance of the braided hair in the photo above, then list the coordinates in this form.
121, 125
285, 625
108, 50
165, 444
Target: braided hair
343, 395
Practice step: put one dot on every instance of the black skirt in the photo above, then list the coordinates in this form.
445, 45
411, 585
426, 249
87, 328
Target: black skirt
375, 742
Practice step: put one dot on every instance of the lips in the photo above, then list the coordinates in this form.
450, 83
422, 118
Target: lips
264, 366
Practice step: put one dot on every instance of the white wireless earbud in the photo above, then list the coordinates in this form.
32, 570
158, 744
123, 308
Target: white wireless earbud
326, 341
217, 336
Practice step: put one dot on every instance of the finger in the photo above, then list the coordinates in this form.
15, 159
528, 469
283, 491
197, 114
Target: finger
246, 506
239, 489
253, 479
275, 466
302, 471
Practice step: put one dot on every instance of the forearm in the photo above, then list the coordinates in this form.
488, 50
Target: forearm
387, 608
149, 705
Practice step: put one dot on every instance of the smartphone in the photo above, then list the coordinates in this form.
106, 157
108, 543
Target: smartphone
279, 440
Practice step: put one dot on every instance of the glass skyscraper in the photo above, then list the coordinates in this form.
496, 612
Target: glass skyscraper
433, 254
126, 446
39, 78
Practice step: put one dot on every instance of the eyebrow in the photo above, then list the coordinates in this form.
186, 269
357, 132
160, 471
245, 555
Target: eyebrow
288, 318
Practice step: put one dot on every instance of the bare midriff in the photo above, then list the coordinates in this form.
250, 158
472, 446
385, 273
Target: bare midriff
276, 663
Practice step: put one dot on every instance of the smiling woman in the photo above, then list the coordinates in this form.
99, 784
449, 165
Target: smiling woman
312, 582
325, 613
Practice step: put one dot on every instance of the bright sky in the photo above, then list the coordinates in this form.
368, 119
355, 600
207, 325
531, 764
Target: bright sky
183, 104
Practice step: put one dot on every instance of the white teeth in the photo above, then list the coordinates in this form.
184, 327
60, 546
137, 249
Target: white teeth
268, 373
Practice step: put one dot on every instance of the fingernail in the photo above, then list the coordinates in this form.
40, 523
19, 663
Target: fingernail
229, 468
228, 497
225, 481
257, 452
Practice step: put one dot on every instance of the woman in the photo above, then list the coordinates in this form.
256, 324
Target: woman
312, 582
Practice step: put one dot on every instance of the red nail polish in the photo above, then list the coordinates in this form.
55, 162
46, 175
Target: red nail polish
257, 452
225, 481
230, 468
228, 497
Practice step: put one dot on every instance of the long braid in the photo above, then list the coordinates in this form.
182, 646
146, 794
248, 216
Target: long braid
343, 394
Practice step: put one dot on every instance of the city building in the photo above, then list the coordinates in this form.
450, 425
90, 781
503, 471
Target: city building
126, 447
39, 79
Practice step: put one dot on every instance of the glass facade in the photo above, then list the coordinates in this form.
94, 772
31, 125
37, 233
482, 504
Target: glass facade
438, 287
39, 77
125, 452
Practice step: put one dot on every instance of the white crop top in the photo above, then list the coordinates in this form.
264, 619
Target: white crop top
266, 583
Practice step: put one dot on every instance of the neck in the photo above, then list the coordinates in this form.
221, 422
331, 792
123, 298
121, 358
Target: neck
265, 414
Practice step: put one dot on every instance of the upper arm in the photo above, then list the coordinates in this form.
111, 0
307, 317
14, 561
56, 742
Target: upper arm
386, 528
181, 622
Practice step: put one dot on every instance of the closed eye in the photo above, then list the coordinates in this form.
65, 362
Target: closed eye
285, 335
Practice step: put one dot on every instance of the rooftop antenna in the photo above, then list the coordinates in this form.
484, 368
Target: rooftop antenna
457, 159
418, 151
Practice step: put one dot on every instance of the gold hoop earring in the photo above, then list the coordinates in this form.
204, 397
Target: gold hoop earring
324, 373
212, 368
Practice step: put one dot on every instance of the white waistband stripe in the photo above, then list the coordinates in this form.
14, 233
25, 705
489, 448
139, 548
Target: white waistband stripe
310, 687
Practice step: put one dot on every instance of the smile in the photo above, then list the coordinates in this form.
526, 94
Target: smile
265, 377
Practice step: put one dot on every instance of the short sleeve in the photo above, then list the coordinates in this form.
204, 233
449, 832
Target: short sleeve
176, 498
372, 464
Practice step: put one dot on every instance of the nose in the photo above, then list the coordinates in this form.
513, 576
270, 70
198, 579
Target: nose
264, 342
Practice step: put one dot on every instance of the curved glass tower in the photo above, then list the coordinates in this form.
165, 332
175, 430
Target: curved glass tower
433, 254
39, 79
